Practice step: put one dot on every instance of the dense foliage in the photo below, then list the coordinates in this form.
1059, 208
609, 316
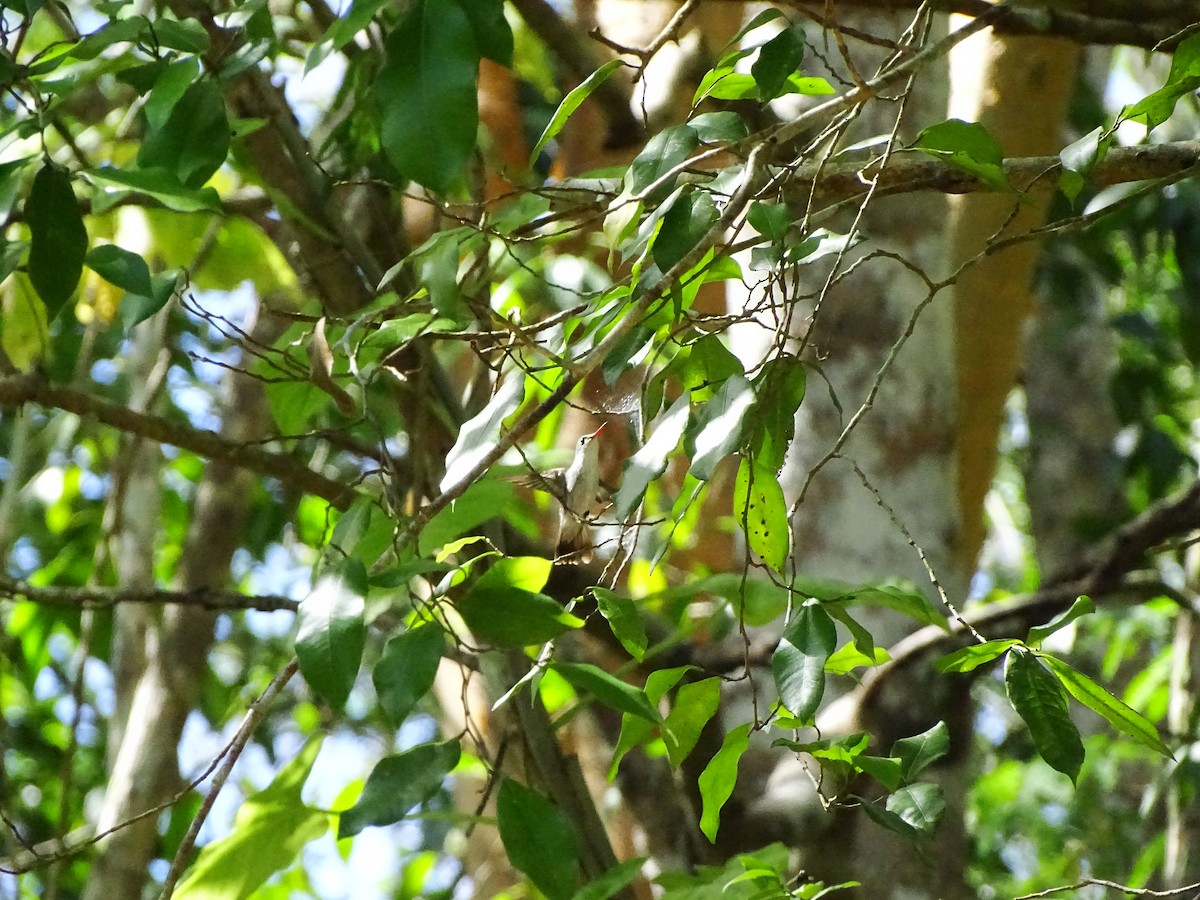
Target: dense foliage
278, 370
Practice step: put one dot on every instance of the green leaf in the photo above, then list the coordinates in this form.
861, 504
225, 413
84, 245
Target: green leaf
405, 671
426, 93
570, 103
777, 59
513, 617
1183, 79
57, 238
608, 689
968, 145
611, 882
718, 778
160, 185
717, 426
771, 220
760, 508
725, 83
194, 141
719, 127
493, 36
187, 35
137, 308
170, 85
890, 820
695, 703
901, 596
623, 618
482, 501
683, 227
920, 805
114, 32
126, 270
850, 657
779, 391
972, 657
539, 839
883, 769
1121, 716
24, 335
330, 637
271, 828
1082, 606
397, 784
918, 752
480, 435
1039, 699
663, 152
650, 461
798, 663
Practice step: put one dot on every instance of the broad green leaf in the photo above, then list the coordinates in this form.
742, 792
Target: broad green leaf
975, 655
426, 93
170, 85
968, 145
137, 308
637, 729
798, 663
663, 152
719, 127
493, 36
570, 103
343, 30
539, 839
685, 224
364, 531
809, 86
886, 770
718, 778
777, 59
725, 83
513, 617
918, 752
1119, 714
1183, 79
760, 508
650, 461
920, 805
330, 637
271, 828
161, 185
1080, 158
482, 501
126, 270
24, 333
397, 784
114, 32
703, 364
890, 820
623, 618
57, 238
611, 882
187, 35
695, 703
850, 657
405, 671
1039, 699
480, 434
771, 220
1081, 607
194, 141
779, 391
529, 573
717, 426
608, 689
901, 596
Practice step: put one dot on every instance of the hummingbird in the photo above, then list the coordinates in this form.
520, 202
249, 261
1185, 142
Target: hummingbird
577, 489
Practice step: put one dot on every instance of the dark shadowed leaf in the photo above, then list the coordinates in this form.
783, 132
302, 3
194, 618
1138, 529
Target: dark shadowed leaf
539, 838
405, 671
126, 270
608, 689
777, 59
921, 750
57, 238
920, 805
397, 784
194, 141
1039, 699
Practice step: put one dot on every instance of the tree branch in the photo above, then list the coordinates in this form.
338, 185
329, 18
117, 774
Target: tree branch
17, 390
106, 598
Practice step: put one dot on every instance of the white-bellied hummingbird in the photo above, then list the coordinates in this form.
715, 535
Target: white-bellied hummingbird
578, 490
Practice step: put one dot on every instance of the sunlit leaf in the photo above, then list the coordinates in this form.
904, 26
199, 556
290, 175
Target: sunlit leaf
623, 618
570, 103
718, 778
717, 426
694, 705
608, 689
480, 435
1082, 606
760, 508
974, 655
918, 752
650, 461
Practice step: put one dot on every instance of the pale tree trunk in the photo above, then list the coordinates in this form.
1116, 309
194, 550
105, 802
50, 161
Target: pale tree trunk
144, 765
